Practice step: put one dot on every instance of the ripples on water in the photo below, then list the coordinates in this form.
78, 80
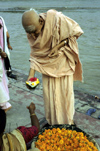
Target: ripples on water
86, 13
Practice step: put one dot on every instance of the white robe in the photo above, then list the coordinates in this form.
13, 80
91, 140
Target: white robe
4, 92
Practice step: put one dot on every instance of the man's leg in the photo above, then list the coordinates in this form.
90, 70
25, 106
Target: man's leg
58, 99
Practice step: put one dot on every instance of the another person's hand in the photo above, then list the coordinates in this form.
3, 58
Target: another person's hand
3, 54
53, 53
9, 47
31, 107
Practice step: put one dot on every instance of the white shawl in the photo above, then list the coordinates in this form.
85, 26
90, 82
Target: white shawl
5, 46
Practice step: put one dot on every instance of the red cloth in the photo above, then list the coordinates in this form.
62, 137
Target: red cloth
28, 132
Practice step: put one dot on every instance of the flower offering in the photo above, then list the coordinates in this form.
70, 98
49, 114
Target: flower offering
33, 82
57, 139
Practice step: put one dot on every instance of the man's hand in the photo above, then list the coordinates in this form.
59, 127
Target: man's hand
31, 75
54, 52
31, 108
28, 87
28, 80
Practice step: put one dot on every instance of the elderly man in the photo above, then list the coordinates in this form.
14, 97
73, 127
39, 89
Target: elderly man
54, 53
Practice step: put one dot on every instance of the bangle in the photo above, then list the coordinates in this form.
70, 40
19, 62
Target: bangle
65, 42
32, 114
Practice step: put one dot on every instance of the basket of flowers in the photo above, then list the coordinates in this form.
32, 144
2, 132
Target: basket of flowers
64, 138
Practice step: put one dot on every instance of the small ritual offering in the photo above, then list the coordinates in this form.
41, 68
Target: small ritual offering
33, 82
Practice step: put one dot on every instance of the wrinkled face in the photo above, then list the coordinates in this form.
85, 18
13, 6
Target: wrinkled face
33, 29
32, 23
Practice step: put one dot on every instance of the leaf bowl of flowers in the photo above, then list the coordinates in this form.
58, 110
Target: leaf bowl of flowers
64, 138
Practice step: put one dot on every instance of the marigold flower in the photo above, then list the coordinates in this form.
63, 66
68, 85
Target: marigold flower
64, 140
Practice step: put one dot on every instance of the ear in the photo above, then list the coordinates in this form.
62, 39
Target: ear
41, 20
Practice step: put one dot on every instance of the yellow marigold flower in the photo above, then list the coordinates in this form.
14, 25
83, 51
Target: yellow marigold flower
59, 149
64, 140
58, 129
40, 136
61, 141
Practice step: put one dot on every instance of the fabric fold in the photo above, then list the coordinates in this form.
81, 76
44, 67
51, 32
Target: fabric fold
13, 141
57, 28
58, 72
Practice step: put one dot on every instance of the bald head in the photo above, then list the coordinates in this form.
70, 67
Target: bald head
32, 22
30, 19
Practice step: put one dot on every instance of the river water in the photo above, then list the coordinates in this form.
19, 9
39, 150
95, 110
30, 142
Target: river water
86, 13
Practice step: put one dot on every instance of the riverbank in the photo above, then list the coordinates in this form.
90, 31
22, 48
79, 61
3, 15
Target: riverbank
22, 97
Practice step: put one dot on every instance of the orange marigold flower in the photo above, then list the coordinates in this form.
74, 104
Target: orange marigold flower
64, 140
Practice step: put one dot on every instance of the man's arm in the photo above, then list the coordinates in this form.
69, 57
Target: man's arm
54, 51
31, 74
